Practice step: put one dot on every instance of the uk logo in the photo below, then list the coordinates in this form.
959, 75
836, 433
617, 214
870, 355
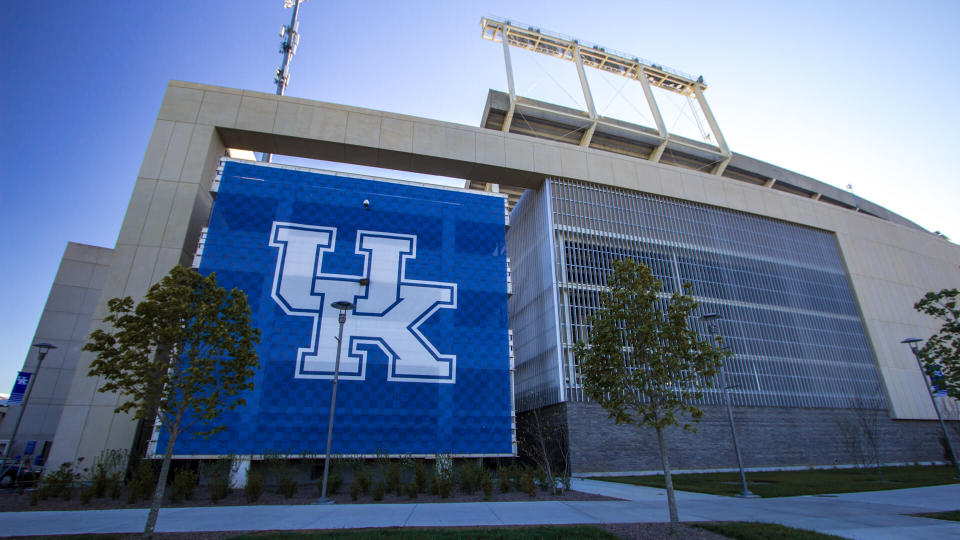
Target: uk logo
389, 307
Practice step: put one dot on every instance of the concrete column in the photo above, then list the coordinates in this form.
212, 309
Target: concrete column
169, 205
238, 473
510, 86
657, 117
587, 96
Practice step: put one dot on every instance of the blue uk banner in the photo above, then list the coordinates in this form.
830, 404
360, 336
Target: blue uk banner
425, 364
19, 388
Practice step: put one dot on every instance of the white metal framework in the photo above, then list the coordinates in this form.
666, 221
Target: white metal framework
788, 310
648, 74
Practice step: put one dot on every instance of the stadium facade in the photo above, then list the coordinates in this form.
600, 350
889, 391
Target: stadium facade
815, 288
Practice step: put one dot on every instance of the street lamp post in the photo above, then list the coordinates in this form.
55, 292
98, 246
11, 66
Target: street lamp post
343, 307
914, 344
711, 319
43, 349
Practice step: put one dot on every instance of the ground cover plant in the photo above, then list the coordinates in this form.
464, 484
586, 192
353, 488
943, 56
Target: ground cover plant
742, 530
363, 483
806, 482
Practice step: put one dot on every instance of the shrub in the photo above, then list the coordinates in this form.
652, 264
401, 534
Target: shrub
362, 479
254, 487
470, 473
503, 479
516, 473
107, 473
287, 485
86, 494
219, 482
183, 485
444, 482
527, 484
379, 490
486, 484
115, 484
434, 486
565, 480
540, 475
99, 481
144, 481
394, 485
58, 483
411, 490
334, 481
354, 491
219, 488
420, 476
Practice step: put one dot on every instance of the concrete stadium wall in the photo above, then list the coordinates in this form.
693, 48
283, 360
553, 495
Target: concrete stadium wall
890, 265
64, 323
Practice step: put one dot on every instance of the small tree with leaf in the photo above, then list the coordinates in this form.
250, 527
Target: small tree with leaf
942, 351
183, 355
643, 363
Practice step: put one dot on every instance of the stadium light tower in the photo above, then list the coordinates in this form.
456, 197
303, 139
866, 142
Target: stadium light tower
583, 54
914, 344
288, 48
343, 306
711, 320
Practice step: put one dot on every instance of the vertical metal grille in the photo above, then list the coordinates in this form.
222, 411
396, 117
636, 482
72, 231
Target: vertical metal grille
533, 307
788, 311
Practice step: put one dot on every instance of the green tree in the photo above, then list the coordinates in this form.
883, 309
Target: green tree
643, 363
183, 355
942, 351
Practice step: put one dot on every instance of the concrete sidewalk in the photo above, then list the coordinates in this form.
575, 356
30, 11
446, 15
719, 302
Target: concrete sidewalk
856, 515
869, 515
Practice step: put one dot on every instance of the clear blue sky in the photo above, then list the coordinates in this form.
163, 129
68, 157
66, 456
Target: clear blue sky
847, 92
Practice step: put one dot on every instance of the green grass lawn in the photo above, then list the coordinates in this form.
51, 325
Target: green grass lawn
953, 515
478, 533
742, 530
808, 482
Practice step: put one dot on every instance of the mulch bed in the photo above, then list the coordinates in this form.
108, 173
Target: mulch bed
651, 531
306, 494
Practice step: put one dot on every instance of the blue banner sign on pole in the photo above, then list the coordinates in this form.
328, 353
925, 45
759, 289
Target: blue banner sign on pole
935, 372
19, 388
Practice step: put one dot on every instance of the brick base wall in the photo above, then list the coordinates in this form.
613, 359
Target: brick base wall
769, 437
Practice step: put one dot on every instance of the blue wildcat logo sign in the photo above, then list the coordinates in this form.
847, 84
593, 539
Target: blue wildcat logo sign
389, 307
426, 353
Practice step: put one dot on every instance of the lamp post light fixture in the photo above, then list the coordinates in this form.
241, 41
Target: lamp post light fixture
711, 320
42, 350
343, 306
914, 344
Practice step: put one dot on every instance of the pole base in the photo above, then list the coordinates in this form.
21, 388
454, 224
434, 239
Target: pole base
747, 495
324, 500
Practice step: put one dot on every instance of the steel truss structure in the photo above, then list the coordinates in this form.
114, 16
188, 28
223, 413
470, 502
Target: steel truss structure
648, 74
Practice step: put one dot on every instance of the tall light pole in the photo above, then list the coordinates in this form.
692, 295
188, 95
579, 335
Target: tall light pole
914, 344
43, 349
343, 306
711, 320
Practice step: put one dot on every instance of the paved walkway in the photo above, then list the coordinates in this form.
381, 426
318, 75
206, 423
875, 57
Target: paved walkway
873, 515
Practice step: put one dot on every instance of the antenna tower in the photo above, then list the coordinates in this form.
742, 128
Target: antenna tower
288, 47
